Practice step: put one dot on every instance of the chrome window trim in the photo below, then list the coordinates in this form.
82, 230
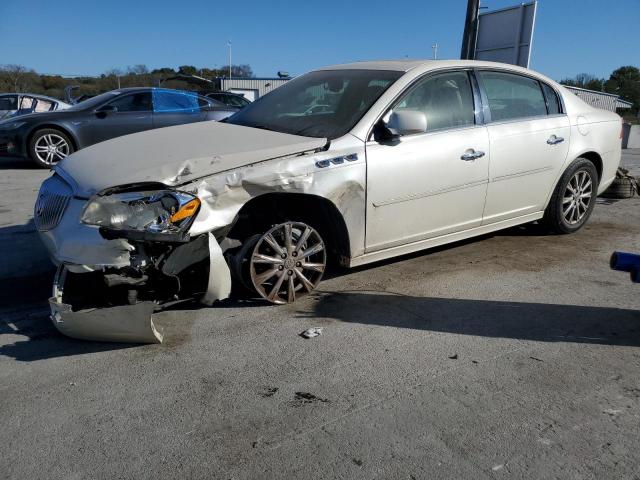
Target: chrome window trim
394, 100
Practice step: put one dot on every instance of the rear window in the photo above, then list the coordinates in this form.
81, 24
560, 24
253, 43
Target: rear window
512, 96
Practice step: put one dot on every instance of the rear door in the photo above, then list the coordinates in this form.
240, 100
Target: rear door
529, 136
175, 108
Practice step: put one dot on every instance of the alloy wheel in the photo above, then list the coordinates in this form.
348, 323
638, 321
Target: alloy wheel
287, 262
51, 148
577, 197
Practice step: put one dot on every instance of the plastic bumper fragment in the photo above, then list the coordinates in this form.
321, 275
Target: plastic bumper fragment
123, 323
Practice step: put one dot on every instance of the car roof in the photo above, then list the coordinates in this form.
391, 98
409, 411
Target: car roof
423, 66
149, 89
407, 65
35, 95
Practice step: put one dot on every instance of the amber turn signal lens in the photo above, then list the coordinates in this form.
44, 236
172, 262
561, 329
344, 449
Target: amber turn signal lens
187, 210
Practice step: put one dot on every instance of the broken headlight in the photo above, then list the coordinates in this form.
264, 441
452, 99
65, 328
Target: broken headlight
148, 212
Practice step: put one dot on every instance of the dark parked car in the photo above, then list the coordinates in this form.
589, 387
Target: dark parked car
15, 104
229, 99
47, 138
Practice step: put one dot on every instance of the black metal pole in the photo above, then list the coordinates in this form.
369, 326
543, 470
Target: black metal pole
470, 30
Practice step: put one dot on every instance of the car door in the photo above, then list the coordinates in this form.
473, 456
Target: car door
529, 136
434, 183
171, 107
127, 113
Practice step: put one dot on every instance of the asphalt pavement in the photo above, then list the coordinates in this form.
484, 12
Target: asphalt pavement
513, 355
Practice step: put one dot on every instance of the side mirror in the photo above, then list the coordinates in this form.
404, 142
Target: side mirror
407, 122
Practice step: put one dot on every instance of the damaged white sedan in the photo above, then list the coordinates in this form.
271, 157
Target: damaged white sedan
402, 156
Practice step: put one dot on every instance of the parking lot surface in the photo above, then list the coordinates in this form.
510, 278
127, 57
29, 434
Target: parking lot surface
512, 355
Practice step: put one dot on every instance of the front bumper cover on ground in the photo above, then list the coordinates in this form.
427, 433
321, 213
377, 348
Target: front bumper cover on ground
129, 323
122, 323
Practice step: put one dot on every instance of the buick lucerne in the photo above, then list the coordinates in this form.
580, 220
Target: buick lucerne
349, 163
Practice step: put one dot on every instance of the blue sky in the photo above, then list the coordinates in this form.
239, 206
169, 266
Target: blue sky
88, 37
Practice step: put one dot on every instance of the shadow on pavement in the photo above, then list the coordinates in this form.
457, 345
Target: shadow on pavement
522, 321
7, 163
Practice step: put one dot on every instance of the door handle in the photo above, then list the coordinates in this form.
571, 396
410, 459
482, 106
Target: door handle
471, 155
553, 140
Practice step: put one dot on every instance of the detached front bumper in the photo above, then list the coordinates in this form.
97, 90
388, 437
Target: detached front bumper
124, 323
132, 322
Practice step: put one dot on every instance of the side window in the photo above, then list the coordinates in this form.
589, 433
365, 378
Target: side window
44, 105
176, 102
27, 103
9, 103
553, 104
235, 101
137, 102
512, 96
445, 99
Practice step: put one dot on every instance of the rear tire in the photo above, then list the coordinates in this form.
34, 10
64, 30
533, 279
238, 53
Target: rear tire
573, 199
48, 146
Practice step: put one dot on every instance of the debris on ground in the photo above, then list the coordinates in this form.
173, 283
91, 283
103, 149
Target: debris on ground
454, 356
312, 332
623, 186
268, 392
305, 398
536, 359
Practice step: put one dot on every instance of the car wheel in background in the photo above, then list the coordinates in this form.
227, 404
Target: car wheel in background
287, 262
48, 146
573, 198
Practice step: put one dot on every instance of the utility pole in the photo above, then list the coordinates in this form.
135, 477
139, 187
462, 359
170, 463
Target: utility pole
470, 31
435, 50
229, 45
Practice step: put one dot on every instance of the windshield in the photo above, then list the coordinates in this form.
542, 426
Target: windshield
323, 104
95, 101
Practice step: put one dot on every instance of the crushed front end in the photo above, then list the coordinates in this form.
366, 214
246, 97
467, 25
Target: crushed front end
124, 254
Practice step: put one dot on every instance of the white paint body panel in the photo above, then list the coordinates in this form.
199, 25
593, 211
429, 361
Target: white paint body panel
421, 188
523, 165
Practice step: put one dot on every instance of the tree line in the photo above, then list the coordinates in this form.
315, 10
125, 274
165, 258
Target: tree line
18, 78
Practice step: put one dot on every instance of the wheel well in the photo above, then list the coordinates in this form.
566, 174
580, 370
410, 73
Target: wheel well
262, 212
54, 127
594, 158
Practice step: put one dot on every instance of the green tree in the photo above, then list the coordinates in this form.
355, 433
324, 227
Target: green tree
187, 70
625, 81
585, 80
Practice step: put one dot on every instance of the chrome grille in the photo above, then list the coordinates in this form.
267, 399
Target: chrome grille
53, 199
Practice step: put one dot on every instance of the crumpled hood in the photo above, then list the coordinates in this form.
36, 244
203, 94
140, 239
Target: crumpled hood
178, 155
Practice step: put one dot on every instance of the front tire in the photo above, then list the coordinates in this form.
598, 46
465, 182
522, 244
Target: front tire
574, 198
48, 146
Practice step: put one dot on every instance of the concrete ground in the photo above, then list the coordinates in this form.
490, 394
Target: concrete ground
515, 355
